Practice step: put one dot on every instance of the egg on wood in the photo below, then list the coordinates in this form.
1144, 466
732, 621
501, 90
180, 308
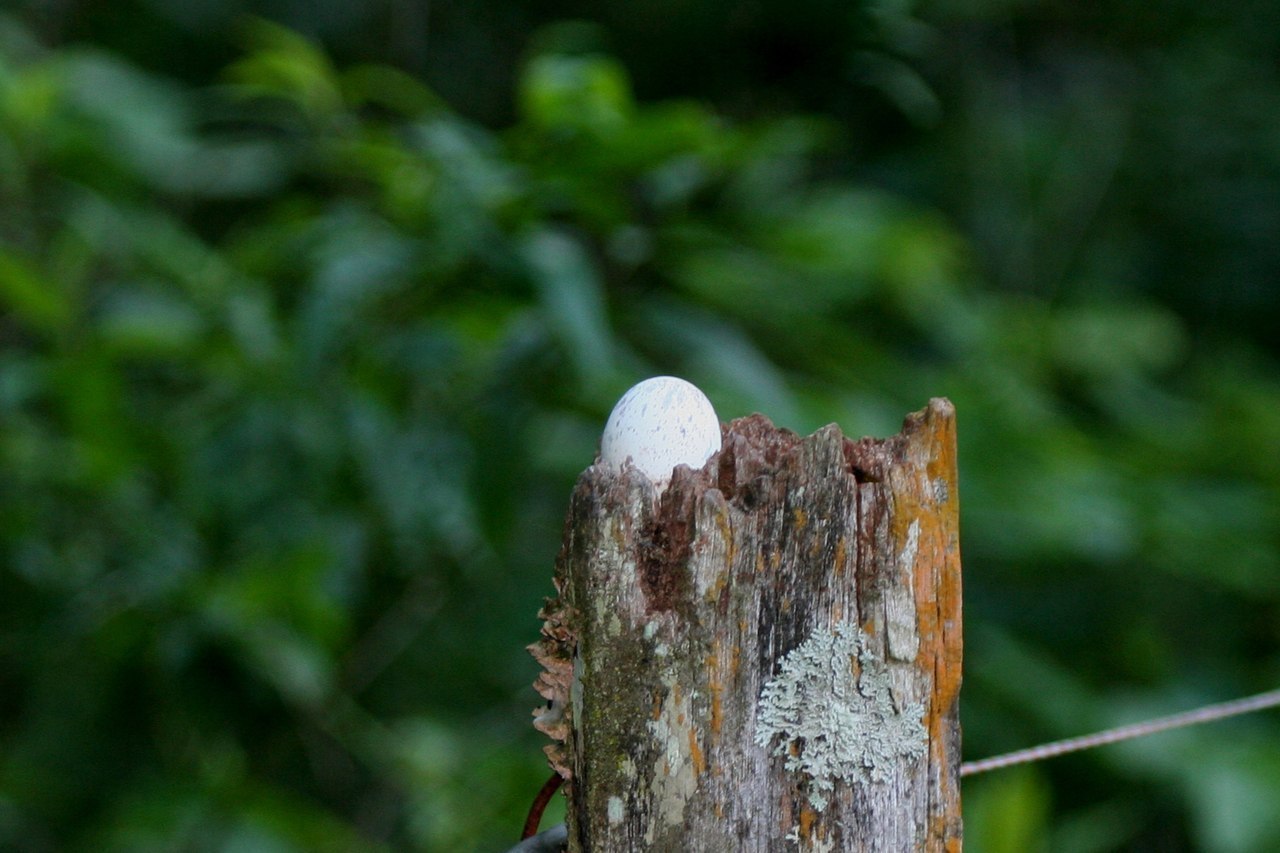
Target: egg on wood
661, 423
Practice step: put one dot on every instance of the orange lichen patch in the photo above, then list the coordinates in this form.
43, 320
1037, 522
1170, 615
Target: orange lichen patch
726, 532
937, 580
715, 684
775, 560
800, 518
695, 753
931, 498
619, 534
946, 826
908, 509
807, 818
942, 465
945, 652
716, 588
930, 559
841, 554
675, 703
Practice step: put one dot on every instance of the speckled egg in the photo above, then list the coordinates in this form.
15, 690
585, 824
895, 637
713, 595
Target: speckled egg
659, 424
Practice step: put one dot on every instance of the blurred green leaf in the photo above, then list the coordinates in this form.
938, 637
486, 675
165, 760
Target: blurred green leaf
30, 295
1007, 813
284, 65
1233, 799
389, 87
573, 302
1102, 342
1109, 826
141, 322
584, 94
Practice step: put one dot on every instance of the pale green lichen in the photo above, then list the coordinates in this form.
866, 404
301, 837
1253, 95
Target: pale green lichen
832, 711
674, 780
614, 811
809, 843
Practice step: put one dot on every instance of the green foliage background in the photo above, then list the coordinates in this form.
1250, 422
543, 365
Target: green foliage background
308, 320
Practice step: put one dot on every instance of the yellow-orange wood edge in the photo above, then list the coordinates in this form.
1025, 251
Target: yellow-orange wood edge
931, 444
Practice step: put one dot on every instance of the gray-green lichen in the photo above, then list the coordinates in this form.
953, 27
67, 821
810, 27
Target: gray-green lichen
831, 710
674, 777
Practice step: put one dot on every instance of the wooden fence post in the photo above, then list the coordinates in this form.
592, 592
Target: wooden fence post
765, 656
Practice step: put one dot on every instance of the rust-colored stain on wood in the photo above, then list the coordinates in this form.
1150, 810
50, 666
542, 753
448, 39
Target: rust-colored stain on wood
717, 587
807, 818
717, 709
715, 684
937, 590
695, 753
726, 535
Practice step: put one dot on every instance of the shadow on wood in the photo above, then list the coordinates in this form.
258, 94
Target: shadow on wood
766, 655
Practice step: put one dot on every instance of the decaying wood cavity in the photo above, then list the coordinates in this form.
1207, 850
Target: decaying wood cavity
765, 656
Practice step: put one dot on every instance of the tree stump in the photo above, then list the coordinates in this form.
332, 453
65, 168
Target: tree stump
766, 655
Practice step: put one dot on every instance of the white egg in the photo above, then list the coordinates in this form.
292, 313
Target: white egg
659, 424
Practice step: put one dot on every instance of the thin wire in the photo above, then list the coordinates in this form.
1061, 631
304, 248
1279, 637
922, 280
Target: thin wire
1207, 714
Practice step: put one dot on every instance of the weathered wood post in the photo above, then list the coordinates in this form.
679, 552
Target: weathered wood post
765, 656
